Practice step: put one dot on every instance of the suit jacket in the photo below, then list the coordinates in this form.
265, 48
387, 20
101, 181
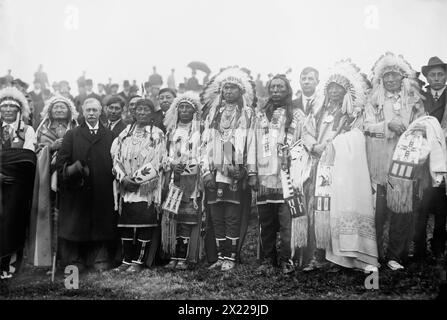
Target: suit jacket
435, 108
86, 203
158, 119
120, 126
298, 103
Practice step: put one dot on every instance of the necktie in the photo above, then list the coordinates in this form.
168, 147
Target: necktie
109, 126
308, 106
436, 96
6, 137
93, 131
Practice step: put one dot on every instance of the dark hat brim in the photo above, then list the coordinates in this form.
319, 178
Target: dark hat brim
425, 69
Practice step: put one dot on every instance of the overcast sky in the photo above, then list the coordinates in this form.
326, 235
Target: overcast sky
123, 39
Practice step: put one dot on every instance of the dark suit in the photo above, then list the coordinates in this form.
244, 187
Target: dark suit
119, 127
434, 199
435, 108
86, 214
158, 120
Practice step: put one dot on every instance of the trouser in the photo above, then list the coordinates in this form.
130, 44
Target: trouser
399, 232
226, 222
274, 217
135, 244
434, 201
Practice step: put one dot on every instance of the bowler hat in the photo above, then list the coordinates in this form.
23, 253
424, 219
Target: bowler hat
433, 62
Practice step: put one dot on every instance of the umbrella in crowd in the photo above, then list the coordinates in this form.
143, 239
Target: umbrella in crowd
198, 65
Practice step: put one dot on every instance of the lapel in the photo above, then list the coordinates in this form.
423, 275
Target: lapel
118, 126
431, 103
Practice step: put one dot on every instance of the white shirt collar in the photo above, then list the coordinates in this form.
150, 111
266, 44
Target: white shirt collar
96, 127
433, 92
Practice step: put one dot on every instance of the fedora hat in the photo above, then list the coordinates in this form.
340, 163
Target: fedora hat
433, 62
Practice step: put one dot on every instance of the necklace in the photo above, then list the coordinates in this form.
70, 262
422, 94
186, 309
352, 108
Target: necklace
227, 118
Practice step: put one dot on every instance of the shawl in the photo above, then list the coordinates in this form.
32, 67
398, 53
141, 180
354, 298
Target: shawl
352, 223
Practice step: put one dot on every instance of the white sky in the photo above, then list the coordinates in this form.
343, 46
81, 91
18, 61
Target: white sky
123, 39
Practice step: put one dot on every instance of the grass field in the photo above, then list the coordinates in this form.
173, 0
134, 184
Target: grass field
245, 282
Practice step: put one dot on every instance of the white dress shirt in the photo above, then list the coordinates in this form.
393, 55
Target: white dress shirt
95, 128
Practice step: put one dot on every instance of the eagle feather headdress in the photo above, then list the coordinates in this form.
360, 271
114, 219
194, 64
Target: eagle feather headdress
45, 114
171, 117
347, 74
211, 95
389, 62
16, 95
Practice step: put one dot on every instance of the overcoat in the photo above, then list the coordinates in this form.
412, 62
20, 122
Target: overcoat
86, 204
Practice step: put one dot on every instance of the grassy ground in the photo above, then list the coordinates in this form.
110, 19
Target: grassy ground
245, 282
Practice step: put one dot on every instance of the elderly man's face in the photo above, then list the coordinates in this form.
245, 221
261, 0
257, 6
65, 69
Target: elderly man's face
392, 81
436, 78
114, 111
308, 83
92, 111
185, 112
336, 92
278, 90
231, 93
9, 112
59, 111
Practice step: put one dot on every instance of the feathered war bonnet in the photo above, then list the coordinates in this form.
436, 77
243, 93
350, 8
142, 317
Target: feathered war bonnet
171, 117
347, 74
212, 93
12, 95
46, 112
389, 62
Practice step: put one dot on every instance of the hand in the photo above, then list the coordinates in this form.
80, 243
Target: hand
253, 182
178, 168
56, 144
209, 181
129, 184
75, 169
396, 125
238, 173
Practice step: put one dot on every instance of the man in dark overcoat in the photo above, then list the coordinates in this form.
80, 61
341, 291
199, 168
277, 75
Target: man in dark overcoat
87, 223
